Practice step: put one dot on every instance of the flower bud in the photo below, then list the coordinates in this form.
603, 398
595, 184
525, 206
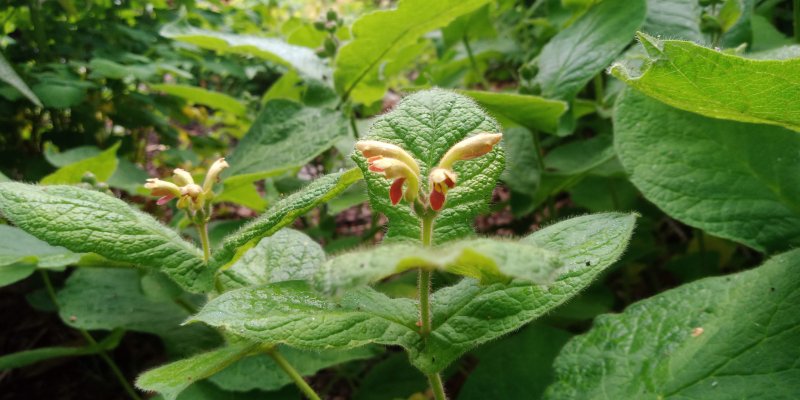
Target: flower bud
181, 177
469, 148
212, 176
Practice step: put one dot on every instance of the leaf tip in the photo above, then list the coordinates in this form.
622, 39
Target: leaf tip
650, 44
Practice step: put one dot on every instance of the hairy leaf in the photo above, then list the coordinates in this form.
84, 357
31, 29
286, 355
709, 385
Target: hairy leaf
84, 220
701, 80
532, 112
283, 213
102, 166
381, 36
427, 124
285, 135
734, 336
582, 50
286, 255
734, 180
484, 259
200, 95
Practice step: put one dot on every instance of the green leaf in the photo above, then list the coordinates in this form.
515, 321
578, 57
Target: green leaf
63, 158
285, 136
698, 79
283, 213
28, 357
61, 93
8, 75
674, 19
129, 177
427, 124
532, 112
85, 221
16, 271
276, 50
392, 378
261, 372
17, 245
517, 367
171, 379
734, 180
575, 55
286, 255
726, 337
110, 298
464, 315
487, 260
102, 166
381, 36
522, 173
207, 97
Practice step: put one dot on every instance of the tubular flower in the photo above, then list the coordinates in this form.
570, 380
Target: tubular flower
401, 173
190, 195
443, 177
373, 148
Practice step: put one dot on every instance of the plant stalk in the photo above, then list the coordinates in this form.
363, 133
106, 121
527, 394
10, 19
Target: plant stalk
296, 377
796, 21
474, 63
202, 230
92, 342
424, 288
437, 386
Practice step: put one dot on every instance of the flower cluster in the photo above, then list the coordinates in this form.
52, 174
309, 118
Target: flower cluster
396, 164
191, 196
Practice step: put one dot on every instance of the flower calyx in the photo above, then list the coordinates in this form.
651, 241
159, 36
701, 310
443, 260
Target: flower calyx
191, 196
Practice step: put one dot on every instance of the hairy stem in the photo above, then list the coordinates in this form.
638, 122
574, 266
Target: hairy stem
424, 288
202, 230
92, 342
437, 386
296, 377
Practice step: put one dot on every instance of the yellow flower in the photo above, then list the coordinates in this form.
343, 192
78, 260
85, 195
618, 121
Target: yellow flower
401, 173
443, 177
190, 195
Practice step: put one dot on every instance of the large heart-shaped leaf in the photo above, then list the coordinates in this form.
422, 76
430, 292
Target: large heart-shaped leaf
426, 124
698, 79
85, 221
734, 180
735, 336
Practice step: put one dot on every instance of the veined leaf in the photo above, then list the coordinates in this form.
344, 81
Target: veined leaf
286, 255
701, 80
85, 221
200, 95
532, 112
8, 75
427, 124
484, 259
380, 36
171, 379
575, 55
102, 166
285, 135
464, 315
283, 213
734, 180
276, 50
674, 19
733, 336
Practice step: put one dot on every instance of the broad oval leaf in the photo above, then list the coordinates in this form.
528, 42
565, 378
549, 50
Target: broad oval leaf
701, 80
85, 221
484, 259
532, 112
200, 95
283, 213
734, 180
572, 57
733, 336
286, 255
16, 245
427, 124
102, 166
379, 37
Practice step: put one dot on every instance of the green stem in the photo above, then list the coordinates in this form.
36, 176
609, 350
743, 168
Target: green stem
796, 22
474, 63
598, 88
437, 386
34, 6
92, 342
202, 230
353, 125
296, 377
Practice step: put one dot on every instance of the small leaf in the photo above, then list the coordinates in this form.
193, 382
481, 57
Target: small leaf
207, 97
8, 75
411, 126
734, 180
532, 112
171, 379
286, 255
16, 271
698, 79
16, 245
484, 259
576, 54
379, 37
85, 221
102, 166
301, 58
733, 336
283, 213
674, 19
289, 134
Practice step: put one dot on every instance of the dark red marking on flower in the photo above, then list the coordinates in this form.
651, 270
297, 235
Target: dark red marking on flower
396, 191
437, 200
